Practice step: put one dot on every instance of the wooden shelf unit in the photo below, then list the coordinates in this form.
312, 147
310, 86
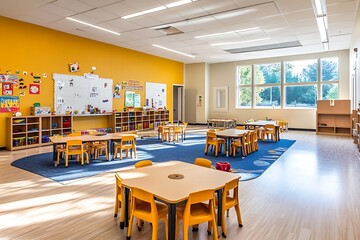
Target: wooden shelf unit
34, 131
334, 120
138, 120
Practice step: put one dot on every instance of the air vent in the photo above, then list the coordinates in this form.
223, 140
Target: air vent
265, 47
169, 30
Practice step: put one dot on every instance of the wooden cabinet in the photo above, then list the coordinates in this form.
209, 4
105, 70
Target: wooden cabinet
33, 131
138, 120
334, 119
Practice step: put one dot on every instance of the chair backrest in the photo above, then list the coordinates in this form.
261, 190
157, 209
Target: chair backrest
143, 163
160, 129
75, 134
128, 138
203, 162
233, 184
269, 127
248, 137
240, 127
198, 197
145, 198
74, 147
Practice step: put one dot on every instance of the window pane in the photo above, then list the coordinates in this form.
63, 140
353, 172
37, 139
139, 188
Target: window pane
244, 97
330, 91
244, 75
301, 96
329, 69
268, 73
267, 96
301, 71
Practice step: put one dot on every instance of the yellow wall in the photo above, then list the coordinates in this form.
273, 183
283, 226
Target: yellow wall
31, 48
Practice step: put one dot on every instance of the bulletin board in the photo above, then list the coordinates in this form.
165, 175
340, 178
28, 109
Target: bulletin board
155, 95
75, 93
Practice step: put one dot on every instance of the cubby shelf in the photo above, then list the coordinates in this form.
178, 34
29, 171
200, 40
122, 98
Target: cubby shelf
334, 119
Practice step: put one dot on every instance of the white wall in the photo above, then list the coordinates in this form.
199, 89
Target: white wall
196, 79
356, 44
224, 74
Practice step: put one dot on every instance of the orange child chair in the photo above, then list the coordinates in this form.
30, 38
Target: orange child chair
127, 143
196, 211
213, 140
144, 207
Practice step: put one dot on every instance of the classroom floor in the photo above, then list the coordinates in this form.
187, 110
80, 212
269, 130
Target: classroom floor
311, 192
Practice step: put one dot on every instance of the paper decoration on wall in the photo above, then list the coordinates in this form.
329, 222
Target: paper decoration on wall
60, 84
44, 75
9, 78
129, 99
7, 89
133, 86
17, 72
9, 104
117, 89
25, 73
74, 67
94, 92
34, 89
22, 86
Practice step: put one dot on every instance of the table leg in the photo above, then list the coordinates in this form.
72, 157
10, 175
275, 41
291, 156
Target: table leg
219, 194
54, 151
126, 206
110, 149
171, 221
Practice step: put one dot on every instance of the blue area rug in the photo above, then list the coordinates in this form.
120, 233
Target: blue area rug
250, 167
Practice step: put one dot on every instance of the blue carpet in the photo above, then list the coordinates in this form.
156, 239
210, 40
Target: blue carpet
249, 167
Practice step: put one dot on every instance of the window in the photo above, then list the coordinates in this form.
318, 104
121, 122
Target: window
329, 78
303, 82
267, 85
300, 83
304, 96
244, 86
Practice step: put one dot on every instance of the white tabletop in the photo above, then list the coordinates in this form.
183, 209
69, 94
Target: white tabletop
155, 179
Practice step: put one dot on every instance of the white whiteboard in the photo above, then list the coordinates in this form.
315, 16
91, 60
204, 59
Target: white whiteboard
75, 93
155, 95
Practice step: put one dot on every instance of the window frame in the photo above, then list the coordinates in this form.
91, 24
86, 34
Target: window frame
318, 84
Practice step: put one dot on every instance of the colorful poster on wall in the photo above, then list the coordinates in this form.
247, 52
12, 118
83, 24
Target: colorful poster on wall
9, 104
129, 99
8, 78
137, 101
7, 89
34, 89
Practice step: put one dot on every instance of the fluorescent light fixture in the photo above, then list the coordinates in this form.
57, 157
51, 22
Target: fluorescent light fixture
321, 20
144, 12
224, 33
247, 41
326, 46
171, 50
91, 25
170, 5
179, 3
319, 7
322, 25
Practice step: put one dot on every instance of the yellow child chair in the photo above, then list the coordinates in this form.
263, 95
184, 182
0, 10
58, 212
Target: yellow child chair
119, 201
269, 129
240, 127
213, 140
97, 147
254, 140
127, 143
144, 207
143, 163
239, 143
229, 201
196, 211
73, 147
248, 146
203, 162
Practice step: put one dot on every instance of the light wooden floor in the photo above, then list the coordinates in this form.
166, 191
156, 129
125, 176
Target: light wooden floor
311, 192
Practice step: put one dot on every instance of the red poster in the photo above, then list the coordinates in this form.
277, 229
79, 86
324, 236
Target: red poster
7, 89
34, 88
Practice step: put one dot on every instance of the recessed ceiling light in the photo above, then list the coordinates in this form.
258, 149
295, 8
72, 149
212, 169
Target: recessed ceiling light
91, 25
224, 33
171, 50
247, 41
170, 5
